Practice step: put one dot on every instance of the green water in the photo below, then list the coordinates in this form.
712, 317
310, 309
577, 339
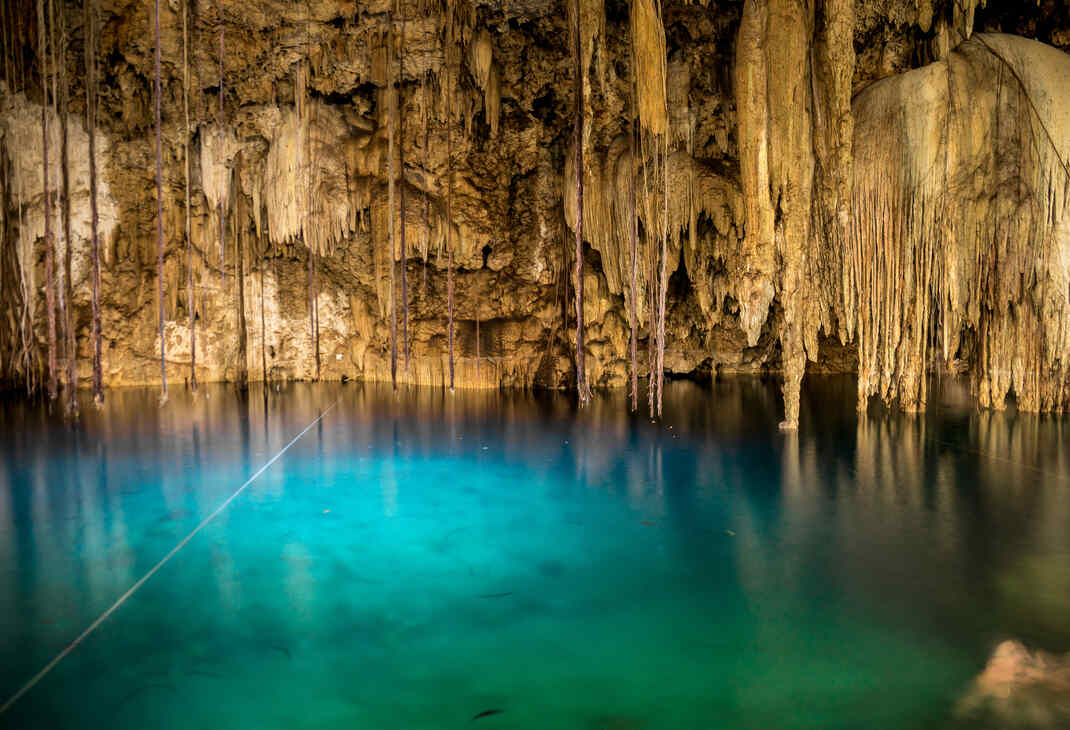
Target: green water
414, 560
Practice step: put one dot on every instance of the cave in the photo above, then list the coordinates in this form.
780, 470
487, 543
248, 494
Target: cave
535, 363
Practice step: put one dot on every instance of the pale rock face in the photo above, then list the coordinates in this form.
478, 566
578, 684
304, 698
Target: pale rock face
821, 209
285, 332
21, 130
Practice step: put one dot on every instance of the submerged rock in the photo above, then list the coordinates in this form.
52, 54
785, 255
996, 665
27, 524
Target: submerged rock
1020, 688
1036, 588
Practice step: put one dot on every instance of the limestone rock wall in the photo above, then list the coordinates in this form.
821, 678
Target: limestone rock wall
845, 185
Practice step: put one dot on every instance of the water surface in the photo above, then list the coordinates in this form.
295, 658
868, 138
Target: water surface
416, 559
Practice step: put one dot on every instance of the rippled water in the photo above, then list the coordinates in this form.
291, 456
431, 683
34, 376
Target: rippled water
415, 560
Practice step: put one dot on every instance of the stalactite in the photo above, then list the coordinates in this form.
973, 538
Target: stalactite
633, 229
427, 197
240, 231
616, 219
750, 71
17, 292
191, 300
9, 46
50, 295
20, 28
17, 30
582, 388
401, 202
222, 131
159, 208
301, 212
648, 42
451, 79
68, 303
4, 287
314, 252
563, 284
958, 231
652, 339
23, 30
311, 241
274, 253
9, 284
91, 125
263, 327
650, 39
55, 172
391, 122
776, 90
649, 216
485, 74
6, 37
663, 278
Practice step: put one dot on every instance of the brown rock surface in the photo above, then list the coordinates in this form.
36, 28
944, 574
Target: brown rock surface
850, 184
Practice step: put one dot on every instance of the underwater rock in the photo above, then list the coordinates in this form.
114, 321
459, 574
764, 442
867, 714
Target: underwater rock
1020, 688
1037, 588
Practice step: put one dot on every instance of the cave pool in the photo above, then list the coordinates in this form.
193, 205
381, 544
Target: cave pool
416, 560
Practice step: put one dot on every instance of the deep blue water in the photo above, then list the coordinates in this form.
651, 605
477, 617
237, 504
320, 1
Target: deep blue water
416, 559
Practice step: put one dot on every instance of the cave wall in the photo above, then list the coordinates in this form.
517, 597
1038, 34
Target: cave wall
794, 218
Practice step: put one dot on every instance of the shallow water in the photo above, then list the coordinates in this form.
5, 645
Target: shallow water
414, 560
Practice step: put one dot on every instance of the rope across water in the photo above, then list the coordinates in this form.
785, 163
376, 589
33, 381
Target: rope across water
133, 589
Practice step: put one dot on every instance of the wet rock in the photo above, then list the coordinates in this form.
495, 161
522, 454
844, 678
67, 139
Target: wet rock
1020, 688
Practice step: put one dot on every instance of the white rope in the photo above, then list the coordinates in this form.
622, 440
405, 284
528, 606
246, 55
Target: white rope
122, 599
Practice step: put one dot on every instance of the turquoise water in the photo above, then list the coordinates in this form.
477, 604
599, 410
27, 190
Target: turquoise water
415, 560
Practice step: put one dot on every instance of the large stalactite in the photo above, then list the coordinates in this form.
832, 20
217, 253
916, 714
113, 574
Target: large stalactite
960, 248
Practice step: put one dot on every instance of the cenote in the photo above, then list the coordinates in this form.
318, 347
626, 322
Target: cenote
417, 559
327, 331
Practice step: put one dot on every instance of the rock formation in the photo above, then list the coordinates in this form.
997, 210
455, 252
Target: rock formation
1020, 689
818, 184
